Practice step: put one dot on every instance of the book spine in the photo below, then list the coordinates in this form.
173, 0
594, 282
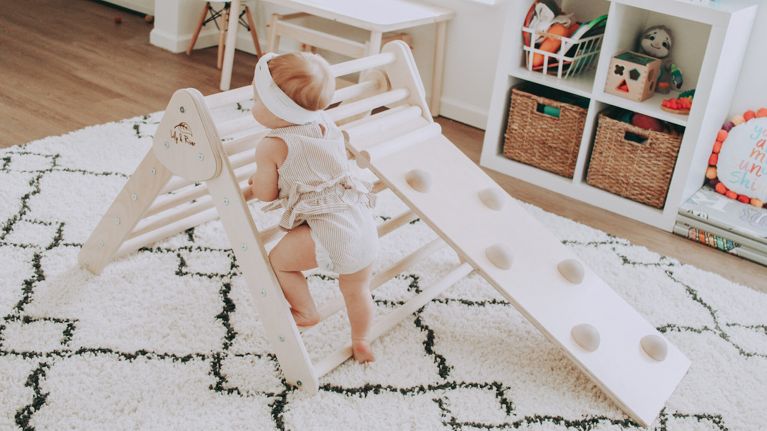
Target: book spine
704, 237
719, 242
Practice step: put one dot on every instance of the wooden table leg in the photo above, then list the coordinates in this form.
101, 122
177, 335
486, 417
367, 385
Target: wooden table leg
221, 37
231, 42
374, 45
273, 36
438, 70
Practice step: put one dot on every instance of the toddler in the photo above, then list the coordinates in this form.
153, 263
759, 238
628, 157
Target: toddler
303, 168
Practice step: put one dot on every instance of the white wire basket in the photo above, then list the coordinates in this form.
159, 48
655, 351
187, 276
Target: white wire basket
574, 56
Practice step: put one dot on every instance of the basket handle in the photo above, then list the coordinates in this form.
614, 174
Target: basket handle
636, 138
548, 110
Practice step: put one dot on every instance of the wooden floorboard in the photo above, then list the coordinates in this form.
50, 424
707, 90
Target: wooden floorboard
65, 64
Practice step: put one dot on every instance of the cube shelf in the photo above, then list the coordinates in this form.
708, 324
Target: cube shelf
710, 39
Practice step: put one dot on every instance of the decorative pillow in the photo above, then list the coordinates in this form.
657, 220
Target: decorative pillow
738, 162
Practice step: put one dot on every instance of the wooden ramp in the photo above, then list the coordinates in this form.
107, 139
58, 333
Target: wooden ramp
455, 207
199, 165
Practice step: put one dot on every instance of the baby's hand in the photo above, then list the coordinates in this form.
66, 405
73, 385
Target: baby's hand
249, 193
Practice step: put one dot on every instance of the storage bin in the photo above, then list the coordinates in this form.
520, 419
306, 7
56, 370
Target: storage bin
633, 162
545, 128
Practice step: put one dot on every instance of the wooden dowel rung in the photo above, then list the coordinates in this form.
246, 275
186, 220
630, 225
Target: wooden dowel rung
187, 193
226, 97
393, 223
375, 117
359, 131
177, 212
163, 232
385, 275
360, 64
242, 158
387, 322
383, 149
238, 161
167, 217
346, 110
379, 186
175, 183
355, 90
246, 142
270, 233
238, 124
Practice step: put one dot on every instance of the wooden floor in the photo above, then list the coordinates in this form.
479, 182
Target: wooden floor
73, 68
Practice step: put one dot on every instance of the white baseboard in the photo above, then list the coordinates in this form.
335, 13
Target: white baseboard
460, 111
207, 38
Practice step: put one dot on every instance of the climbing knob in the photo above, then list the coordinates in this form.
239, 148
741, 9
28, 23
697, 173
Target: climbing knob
419, 180
492, 198
654, 346
571, 270
500, 256
586, 336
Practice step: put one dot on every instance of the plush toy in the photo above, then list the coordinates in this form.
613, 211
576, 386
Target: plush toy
656, 42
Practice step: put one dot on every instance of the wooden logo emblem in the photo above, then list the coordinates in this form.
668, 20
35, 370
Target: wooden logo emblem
182, 134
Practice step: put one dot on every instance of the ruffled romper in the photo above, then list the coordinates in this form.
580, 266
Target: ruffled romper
318, 187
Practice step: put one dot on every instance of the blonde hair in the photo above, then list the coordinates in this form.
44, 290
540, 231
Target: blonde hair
306, 78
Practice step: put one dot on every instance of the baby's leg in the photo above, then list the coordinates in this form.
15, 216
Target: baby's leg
293, 254
360, 308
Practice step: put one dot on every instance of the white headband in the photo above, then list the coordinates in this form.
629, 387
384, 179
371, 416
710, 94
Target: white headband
275, 99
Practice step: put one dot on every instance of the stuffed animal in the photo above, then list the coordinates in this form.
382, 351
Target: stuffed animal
656, 42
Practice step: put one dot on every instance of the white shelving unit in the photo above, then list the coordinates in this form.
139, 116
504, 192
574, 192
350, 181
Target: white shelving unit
710, 39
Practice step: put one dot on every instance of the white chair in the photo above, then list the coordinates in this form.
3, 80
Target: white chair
226, 38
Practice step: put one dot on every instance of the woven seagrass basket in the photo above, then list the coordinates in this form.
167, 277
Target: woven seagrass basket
633, 162
536, 137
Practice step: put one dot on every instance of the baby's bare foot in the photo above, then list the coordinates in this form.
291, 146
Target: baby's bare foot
362, 352
305, 319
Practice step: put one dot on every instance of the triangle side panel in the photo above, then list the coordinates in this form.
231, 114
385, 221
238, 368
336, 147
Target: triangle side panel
273, 310
126, 210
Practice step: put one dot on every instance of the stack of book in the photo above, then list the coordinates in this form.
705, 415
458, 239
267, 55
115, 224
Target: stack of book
731, 226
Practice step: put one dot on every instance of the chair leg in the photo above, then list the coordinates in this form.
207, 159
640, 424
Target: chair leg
253, 32
274, 37
198, 29
221, 37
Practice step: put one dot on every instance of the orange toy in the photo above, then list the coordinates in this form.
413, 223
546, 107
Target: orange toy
552, 43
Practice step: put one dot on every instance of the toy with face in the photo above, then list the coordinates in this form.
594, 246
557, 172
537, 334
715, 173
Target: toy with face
656, 42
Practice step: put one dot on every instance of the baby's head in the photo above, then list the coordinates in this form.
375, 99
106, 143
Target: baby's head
291, 88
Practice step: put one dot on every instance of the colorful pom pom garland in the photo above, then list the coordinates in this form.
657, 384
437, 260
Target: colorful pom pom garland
721, 138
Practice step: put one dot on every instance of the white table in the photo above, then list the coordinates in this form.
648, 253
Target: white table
374, 16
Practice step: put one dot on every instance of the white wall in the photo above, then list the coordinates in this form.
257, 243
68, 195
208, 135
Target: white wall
751, 92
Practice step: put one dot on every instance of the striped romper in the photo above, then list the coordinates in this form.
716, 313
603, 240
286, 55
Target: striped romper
318, 187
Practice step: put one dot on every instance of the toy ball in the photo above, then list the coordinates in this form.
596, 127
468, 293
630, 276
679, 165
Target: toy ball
761, 113
757, 203
721, 135
748, 115
711, 173
720, 188
738, 120
118, 19
647, 123
728, 125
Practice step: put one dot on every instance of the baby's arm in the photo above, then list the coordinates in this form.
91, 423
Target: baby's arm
270, 154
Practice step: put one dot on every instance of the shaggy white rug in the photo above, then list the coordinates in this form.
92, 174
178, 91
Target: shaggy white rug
168, 338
